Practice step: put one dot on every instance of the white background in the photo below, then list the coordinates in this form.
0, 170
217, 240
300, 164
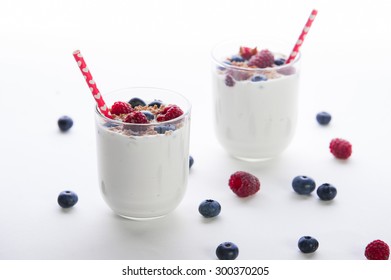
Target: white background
345, 70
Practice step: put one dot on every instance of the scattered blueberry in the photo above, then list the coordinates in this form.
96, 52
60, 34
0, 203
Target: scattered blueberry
136, 102
227, 251
323, 118
303, 184
259, 78
65, 123
308, 244
67, 199
326, 192
209, 208
191, 161
156, 102
237, 58
149, 115
279, 61
161, 129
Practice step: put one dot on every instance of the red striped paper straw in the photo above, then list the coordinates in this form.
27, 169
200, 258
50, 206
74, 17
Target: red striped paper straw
300, 41
91, 84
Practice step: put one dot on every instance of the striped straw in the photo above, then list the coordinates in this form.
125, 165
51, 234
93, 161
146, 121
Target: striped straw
300, 41
91, 84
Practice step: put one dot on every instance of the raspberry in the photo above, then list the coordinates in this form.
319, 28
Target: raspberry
239, 75
170, 112
244, 184
263, 59
229, 81
247, 52
120, 108
377, 250
340, 148
136, 117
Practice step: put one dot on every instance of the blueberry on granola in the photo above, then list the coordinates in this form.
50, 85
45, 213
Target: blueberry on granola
156, 102
135, 101
148, 114
237, 58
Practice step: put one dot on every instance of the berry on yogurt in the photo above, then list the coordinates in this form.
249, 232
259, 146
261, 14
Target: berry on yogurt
135, 101
135, 111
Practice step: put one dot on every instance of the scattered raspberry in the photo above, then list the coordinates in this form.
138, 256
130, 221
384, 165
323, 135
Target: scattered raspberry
244, 184
120, 108
340, 148
170, 112
247, 52
263, 59
136, 117
377, 250
229, 81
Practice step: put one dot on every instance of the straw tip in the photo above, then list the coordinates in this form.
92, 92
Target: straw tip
76, 52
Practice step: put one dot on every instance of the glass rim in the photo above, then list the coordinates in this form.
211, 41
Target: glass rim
219, 62
119, 122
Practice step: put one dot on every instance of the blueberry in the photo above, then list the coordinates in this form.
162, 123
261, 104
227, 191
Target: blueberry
279, 61
227, 251
134, 102
149, 115
191, 161
209, 208
67, 199
326, 192
303, 184
65, 123
237, 58
308, 244
323, 118
156, 102
161, 129
259, 78
110, 124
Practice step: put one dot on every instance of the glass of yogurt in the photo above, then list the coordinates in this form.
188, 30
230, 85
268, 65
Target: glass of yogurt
255, 97
143, 167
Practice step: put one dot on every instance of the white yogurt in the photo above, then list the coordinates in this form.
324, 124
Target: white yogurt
255, 120
143, 176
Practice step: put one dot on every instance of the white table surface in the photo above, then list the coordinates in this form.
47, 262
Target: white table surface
345, 70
